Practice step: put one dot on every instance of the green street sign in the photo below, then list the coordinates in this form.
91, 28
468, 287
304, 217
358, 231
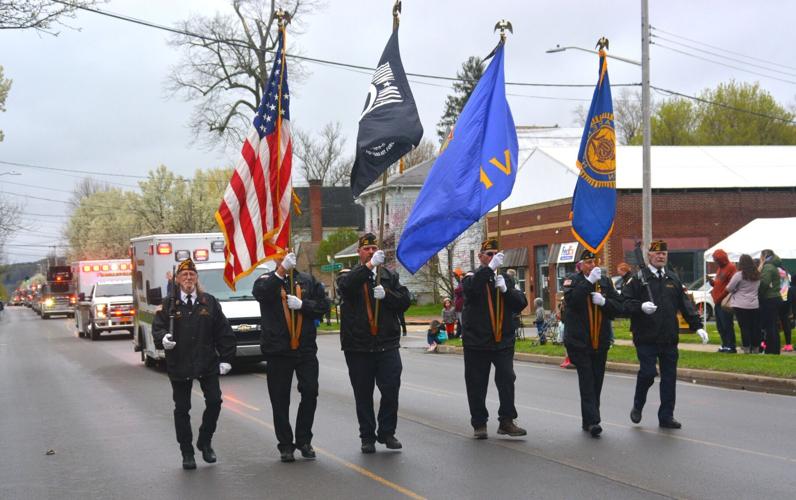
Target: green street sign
328, 268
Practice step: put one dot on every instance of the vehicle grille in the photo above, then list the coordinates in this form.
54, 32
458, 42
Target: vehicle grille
247, 330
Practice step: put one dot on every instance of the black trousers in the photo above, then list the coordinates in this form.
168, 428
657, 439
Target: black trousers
769, 317
591, 373
477, 365
280, 371
749, 322
666, 356
783, 313
383, 370
181, 393
726, 326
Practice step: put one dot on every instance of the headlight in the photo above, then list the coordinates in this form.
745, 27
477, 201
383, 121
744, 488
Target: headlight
49, 302
101, 309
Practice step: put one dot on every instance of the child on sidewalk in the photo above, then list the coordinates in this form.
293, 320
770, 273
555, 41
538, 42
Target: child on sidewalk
435, 335
449, 317
539, 305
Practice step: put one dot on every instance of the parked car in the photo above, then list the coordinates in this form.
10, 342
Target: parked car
699, 291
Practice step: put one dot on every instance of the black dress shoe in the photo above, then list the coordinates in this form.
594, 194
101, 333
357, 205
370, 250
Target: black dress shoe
480, 432
635, 415
595, 430
307, 451
188, 462
208, 455
670, 424
287, 456
391, 443
368, 447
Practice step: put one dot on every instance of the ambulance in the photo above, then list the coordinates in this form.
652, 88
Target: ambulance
156, 255
86, 274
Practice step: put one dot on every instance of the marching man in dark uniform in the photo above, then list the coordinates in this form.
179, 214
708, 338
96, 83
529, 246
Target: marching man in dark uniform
490, 302
370, 338
591, 303
290, 347
652, 300
201, 347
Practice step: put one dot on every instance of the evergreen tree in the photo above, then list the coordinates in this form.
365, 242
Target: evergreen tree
468, 77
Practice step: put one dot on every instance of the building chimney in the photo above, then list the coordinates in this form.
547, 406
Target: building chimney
315, 210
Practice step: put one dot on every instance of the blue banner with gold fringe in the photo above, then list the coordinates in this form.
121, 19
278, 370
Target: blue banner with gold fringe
594, 200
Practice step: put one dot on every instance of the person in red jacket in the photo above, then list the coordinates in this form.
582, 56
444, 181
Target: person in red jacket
724, 317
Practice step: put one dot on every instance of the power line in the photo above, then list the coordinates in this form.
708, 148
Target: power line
370, 70
691, 47
723, 49
727, 106
36, 187
88, 172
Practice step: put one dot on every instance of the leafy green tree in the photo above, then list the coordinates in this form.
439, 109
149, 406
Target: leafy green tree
5, 86
674, 123
722, 125
467, 79
335, 242
102, 224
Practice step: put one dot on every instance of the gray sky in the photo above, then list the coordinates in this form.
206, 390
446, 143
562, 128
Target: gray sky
94, 99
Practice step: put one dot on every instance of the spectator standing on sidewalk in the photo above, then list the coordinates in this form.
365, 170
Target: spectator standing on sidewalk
724, 318
785, 307
770, 300
744, 286
449, 317
538, 303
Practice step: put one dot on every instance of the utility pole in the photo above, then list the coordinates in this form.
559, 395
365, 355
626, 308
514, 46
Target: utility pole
646, 173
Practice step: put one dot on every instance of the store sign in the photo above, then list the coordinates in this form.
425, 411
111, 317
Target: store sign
567, 252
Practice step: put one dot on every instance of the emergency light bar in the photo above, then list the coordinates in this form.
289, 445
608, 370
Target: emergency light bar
181, 255
200, 254
164, 248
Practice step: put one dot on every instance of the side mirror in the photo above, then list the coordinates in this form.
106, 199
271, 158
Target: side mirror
154, 296
81, 297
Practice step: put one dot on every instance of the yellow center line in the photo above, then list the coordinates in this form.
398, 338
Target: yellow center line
356, 468
238, 401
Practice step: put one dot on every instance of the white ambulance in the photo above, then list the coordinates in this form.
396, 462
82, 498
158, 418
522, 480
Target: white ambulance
156, 255
85, 274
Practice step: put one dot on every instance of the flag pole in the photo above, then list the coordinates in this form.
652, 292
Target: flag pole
282, 19
501, 25
396, 11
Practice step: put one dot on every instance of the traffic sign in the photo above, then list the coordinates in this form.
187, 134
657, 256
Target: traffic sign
328, 268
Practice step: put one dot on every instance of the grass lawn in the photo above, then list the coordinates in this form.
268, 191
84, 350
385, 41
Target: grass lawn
772, 366
425, 310
622, 331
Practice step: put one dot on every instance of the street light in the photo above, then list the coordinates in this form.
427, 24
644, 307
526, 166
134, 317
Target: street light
12, 172
571, 47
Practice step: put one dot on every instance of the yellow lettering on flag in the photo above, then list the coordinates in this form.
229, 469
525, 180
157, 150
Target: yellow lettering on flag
485, 180
506, 169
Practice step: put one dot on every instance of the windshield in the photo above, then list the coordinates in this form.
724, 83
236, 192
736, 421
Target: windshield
114, 289
212, 282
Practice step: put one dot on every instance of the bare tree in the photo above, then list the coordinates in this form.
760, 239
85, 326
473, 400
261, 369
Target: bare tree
85, 188
628, 117
40, 15
10, 216
5, 86
322, 157
225, 71
426, 150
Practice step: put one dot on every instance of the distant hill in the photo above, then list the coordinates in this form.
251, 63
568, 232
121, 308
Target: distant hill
12, 274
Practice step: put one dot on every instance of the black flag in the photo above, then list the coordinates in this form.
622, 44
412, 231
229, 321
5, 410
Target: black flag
389, 126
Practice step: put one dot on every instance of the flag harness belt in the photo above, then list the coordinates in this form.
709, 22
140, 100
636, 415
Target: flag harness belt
497, 326
374, 328
293, 328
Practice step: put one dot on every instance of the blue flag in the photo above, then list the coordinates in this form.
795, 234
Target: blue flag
471, 176
594, 200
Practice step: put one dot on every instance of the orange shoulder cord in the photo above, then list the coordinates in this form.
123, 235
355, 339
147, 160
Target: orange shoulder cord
293, 329
595, 319
374, 328
497, 326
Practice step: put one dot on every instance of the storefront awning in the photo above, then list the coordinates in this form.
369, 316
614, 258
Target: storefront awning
516, 257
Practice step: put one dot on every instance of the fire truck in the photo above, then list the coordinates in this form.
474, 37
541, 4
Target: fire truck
156, 255
57, 295
86, 274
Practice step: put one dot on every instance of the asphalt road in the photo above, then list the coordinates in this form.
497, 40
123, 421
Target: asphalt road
108, 421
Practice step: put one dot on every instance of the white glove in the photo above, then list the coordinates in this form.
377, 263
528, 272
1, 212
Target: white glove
293, 302
595, 275
703, 335
648, 307
497, 261
500, 283
597, 299
224, 368
168, 342
378, 292
377, 259
289, 262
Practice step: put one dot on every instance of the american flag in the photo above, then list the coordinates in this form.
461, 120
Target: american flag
254, 214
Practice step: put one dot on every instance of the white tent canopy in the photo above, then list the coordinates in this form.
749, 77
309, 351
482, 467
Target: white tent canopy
776, 234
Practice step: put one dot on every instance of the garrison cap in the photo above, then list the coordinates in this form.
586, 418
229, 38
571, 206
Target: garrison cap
367, 240
489, 244
186, 265
587, 254
658, 246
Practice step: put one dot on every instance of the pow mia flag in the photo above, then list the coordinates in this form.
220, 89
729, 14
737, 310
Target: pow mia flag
389, 126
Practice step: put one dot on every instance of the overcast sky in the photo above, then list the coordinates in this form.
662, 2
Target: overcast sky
95, 99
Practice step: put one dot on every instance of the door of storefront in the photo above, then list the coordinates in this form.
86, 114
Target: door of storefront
541, 253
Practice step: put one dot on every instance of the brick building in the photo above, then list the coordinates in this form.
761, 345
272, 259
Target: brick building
701, 194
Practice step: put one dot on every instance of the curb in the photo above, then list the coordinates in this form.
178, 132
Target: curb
742, 381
